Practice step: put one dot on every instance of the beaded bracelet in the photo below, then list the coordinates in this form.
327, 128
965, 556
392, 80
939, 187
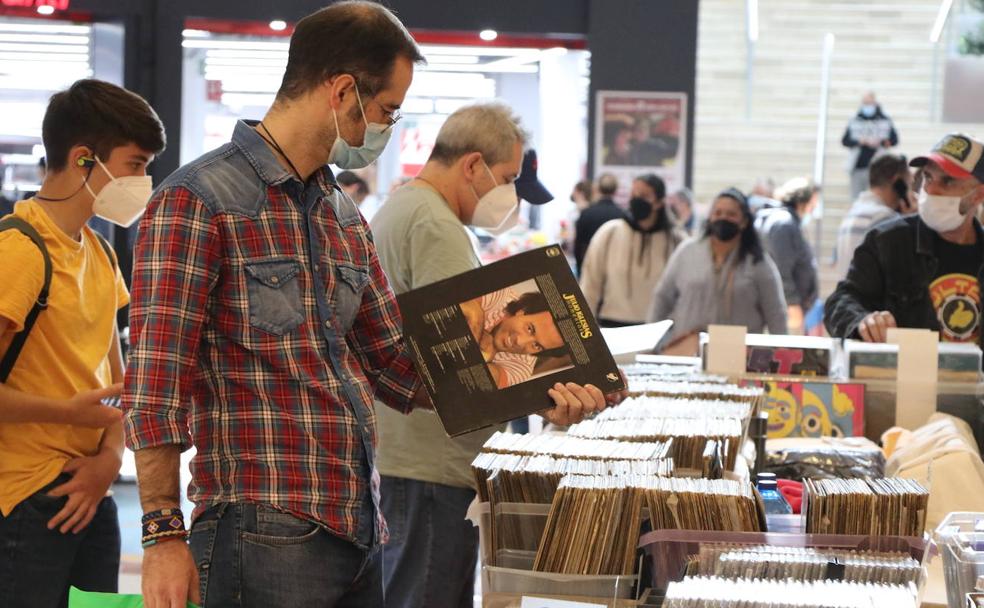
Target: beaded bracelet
163, 524
178, 535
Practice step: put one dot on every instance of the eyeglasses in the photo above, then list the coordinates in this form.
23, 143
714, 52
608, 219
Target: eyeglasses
391, 117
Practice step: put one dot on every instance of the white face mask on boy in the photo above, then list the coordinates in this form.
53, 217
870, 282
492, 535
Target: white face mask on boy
124, 199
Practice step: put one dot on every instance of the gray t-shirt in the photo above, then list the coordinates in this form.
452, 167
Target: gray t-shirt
420, 241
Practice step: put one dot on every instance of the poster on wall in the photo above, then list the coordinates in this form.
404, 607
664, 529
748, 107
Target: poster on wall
640, 132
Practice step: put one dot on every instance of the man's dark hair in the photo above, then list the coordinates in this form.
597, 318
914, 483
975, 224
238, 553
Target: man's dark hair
886, 169
100, 115
348, 178
531, 303
354, 37
750, 244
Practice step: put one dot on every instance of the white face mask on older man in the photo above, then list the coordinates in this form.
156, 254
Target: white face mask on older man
497, 210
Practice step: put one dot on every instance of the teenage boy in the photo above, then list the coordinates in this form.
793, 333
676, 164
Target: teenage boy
60, 447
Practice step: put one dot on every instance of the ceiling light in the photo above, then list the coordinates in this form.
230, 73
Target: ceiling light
488, 35
278, 25
46, 10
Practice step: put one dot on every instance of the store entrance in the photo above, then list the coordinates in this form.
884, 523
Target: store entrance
232, 70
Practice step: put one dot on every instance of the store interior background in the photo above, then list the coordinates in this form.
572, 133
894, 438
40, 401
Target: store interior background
753, 81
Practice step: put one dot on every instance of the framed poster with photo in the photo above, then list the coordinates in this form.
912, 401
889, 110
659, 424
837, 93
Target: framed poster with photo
490, 342
639, 132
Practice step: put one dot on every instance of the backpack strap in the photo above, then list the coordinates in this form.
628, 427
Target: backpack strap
12, 222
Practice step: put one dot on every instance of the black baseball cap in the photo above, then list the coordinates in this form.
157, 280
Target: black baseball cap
528, 187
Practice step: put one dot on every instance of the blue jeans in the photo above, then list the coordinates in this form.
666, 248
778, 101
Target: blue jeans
431, 556
254, 555
37, 565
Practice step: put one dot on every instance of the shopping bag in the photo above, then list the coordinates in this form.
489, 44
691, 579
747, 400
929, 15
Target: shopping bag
90, 599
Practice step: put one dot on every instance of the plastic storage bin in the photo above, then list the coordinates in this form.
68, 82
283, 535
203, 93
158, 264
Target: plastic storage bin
960, 539
508, 583
523, 525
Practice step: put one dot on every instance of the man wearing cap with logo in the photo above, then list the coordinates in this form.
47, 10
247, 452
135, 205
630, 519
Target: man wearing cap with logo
474, 176
925, 270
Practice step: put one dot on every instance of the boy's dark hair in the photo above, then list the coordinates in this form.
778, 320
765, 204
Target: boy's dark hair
101, 115
885, 169
352, 37
531, 303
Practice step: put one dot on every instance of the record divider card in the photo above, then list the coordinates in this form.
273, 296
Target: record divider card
915, 399
726, 354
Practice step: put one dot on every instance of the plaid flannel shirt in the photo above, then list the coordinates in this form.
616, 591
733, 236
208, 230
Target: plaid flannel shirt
262, 329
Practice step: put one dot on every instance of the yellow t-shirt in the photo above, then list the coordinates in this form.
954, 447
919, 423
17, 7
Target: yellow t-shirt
66, 352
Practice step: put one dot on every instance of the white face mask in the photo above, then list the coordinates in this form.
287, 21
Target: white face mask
941, 213
869, 110
123, 199
346, 156
497, 210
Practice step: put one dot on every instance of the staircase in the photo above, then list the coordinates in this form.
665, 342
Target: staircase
881, 45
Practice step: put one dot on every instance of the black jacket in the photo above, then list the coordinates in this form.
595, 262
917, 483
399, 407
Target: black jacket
891, 270
589, 222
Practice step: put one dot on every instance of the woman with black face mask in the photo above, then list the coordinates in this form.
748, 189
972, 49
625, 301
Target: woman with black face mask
627, 256
723, 277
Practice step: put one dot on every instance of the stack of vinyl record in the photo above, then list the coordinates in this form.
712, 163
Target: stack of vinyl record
879, 507
806, 564
701, 592
534, 478
648, 387
575, 447
688, 435
644, 408
594, 522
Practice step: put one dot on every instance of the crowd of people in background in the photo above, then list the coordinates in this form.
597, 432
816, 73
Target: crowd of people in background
908, 250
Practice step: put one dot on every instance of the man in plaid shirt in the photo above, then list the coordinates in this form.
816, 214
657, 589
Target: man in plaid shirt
263, 328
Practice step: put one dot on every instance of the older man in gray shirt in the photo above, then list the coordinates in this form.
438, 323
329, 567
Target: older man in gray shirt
421, 238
